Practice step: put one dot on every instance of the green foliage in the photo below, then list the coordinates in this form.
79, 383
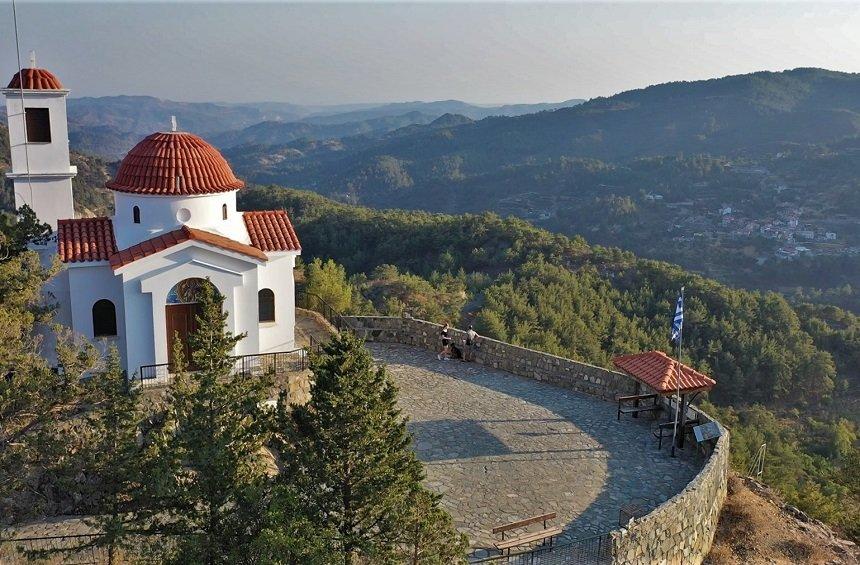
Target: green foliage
36, 404
591, 303
350, 465
109, 455
19, 232
812, 463
211, 471
328, 281
393, 293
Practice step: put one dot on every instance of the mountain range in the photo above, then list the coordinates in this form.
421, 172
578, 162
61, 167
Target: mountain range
749, 114
109, 126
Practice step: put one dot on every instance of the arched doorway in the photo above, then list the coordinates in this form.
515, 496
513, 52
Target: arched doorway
181, 310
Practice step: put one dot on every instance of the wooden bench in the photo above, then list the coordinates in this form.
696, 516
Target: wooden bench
636, 408
547, 533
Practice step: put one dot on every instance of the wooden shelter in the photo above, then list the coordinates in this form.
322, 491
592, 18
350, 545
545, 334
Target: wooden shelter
661, 373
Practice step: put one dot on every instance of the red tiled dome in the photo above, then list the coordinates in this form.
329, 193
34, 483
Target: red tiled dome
36, 79
173, 164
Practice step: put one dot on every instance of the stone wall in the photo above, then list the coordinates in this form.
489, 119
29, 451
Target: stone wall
521, 361
681, 529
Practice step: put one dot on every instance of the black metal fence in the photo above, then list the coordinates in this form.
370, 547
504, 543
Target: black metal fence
83, 549
595, 550
76, 550
257, 364
311, 301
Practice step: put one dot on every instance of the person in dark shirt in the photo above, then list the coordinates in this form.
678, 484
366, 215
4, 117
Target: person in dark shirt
445, 334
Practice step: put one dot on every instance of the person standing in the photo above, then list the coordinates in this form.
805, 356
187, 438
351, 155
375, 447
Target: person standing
445, 334
471, 344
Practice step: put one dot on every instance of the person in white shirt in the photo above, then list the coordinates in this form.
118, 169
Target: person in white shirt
471, 344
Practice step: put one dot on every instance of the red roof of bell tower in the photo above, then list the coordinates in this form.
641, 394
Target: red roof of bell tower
174, 164
36, 79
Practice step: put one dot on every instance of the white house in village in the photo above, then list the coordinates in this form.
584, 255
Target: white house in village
131, 279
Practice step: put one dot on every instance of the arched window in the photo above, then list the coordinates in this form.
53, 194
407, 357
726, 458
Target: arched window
135, 212
223, 211
266, 300
104, 318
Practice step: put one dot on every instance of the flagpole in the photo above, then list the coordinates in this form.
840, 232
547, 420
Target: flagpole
678, 380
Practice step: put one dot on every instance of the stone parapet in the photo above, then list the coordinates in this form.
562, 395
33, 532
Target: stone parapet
558, 371
681, 530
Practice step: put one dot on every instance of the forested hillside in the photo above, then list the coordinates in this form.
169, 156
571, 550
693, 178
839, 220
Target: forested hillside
786, 375
729, 116
721, 176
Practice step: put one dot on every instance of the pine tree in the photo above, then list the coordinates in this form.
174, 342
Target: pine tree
429, 534
111, 458
210, 449
348, 457
35, 401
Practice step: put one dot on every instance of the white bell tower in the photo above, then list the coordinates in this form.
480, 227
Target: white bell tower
39, 139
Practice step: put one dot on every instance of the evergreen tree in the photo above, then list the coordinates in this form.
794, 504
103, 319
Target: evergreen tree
328, 281
111, 458
36, 402
429, 534
210, 450
349, 460
16, 233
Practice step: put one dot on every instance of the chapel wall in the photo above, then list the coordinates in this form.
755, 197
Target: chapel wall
163, 214
277, 275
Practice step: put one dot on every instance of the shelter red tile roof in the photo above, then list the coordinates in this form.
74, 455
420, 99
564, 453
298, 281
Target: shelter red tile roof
174, 164
85, 239
660, 372
271, 230
175, 237
36, 79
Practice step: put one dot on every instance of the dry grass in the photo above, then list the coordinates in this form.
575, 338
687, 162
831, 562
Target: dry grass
753, 529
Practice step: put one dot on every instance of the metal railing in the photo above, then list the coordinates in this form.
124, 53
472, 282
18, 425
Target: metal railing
311, 301
87, 549
257, 364
594, 550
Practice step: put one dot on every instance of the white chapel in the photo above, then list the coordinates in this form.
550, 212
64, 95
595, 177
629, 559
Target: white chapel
131, 279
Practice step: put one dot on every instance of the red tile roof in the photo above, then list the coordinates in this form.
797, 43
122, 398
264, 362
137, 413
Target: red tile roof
173, 164
175, 237
660, 372
271, 230
85, 239
36, 79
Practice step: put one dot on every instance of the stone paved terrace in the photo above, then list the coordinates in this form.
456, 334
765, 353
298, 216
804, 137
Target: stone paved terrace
499, 447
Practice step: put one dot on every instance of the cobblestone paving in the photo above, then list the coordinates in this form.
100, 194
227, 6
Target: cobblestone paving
500, 448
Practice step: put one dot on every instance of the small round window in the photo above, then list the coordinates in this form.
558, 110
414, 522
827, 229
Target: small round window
183, 215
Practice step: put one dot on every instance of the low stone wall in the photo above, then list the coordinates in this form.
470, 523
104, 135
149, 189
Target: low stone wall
681, 529
521, 361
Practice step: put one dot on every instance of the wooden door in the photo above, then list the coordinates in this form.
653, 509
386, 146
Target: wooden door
181, 321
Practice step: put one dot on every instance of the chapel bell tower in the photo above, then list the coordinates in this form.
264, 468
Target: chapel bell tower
39, 139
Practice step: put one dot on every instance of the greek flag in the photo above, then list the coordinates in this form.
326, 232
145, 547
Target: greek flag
678, 320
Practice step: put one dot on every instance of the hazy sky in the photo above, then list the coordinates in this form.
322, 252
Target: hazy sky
323, 53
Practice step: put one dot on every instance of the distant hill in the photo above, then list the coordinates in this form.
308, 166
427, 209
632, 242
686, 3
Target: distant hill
439, 108
280, 133
744, 114
111, 125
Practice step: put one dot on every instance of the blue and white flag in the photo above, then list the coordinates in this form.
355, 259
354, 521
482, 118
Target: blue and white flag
678, 320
